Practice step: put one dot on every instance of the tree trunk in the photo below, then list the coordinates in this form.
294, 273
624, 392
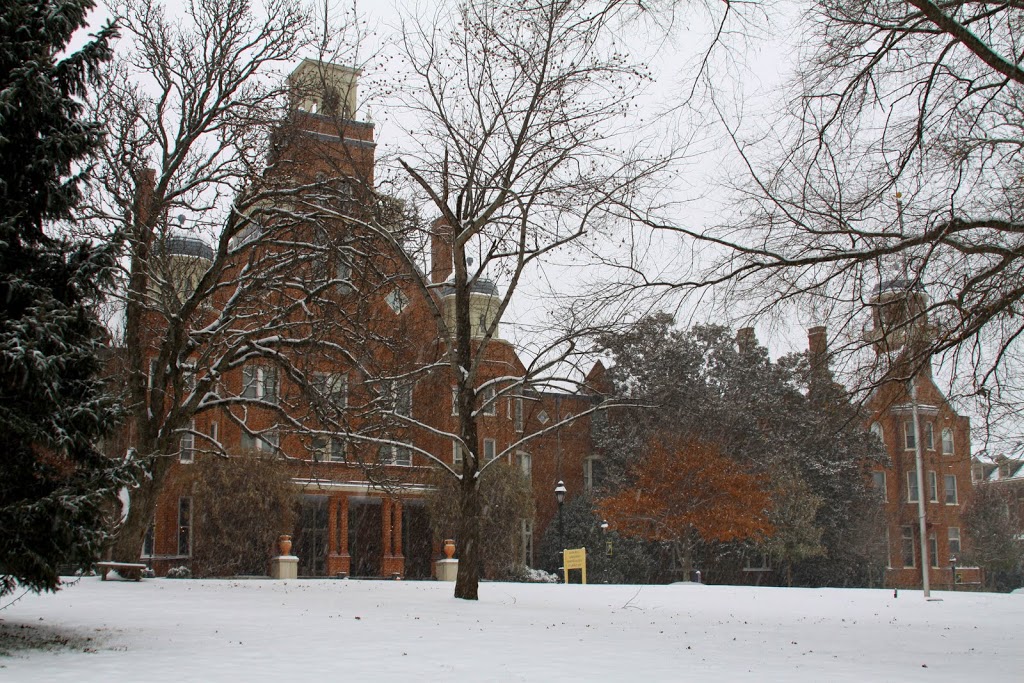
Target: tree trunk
468, 579
127, 545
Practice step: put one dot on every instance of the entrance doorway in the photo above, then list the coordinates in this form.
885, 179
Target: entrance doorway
364, 536
311, 535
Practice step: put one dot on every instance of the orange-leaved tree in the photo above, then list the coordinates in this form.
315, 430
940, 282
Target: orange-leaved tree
683, 489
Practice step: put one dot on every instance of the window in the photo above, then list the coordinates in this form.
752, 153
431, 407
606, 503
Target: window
342, 274
456, 454
332, 387
909, 437
397, 397
911, 487
933, 487
949, 482
397, 300
525, 462
259, 382
908, 547
489, 401
517, 418
878, 482
154, 370
185, 526
148, 542
214, 432
954, 541
328, 449
876, 429
187, 445
526, 542
947, 441
394, 454
929, 436
266, 442
455, 400
591, 472
490, 450
933, 549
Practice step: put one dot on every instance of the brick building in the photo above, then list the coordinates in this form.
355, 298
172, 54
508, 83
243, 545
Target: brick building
942, 438
347, 522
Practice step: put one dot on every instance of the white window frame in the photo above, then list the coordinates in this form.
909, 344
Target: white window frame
455, 401
933, 486
524, 461
876, 429
933, 549
879, 476
490, 450
526, 542
489, 401
588, 472
912, 492
907, 541
948, 446
260, 382
929, 436
266, 441
394, 454
946, 479
953, 537
326, 448
518, 422
457, 457
187, 444
909, 436
332, 387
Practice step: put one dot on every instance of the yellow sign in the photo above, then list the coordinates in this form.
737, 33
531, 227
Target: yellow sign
575, 558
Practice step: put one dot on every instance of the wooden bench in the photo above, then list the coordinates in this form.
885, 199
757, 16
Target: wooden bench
128, 570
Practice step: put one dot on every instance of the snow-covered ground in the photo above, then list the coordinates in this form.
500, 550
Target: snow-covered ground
261, 630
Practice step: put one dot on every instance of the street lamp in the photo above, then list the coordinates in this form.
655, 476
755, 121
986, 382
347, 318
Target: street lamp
560, 497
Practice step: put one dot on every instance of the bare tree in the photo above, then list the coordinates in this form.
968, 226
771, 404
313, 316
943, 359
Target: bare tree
238, 257
523, 148
898, 160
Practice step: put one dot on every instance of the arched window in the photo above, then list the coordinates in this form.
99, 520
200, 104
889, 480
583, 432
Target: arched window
876, 429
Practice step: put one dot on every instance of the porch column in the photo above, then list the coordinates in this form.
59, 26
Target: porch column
385, 527
332, 526
396, 526
338, 559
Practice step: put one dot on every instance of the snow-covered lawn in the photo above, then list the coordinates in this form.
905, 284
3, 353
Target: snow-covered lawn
261, 630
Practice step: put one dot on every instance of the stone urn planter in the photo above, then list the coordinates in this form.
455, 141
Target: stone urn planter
449, 548
284, 541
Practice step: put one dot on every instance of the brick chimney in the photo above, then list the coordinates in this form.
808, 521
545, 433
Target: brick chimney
746, 340
441, 236
817, 353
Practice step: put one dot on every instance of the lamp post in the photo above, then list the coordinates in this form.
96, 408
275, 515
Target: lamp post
560, 497
952, 569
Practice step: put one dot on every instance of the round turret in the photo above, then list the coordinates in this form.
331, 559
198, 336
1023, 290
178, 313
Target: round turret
899, 315
484, 301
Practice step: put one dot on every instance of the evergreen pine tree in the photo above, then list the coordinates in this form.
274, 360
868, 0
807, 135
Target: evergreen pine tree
55, 484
